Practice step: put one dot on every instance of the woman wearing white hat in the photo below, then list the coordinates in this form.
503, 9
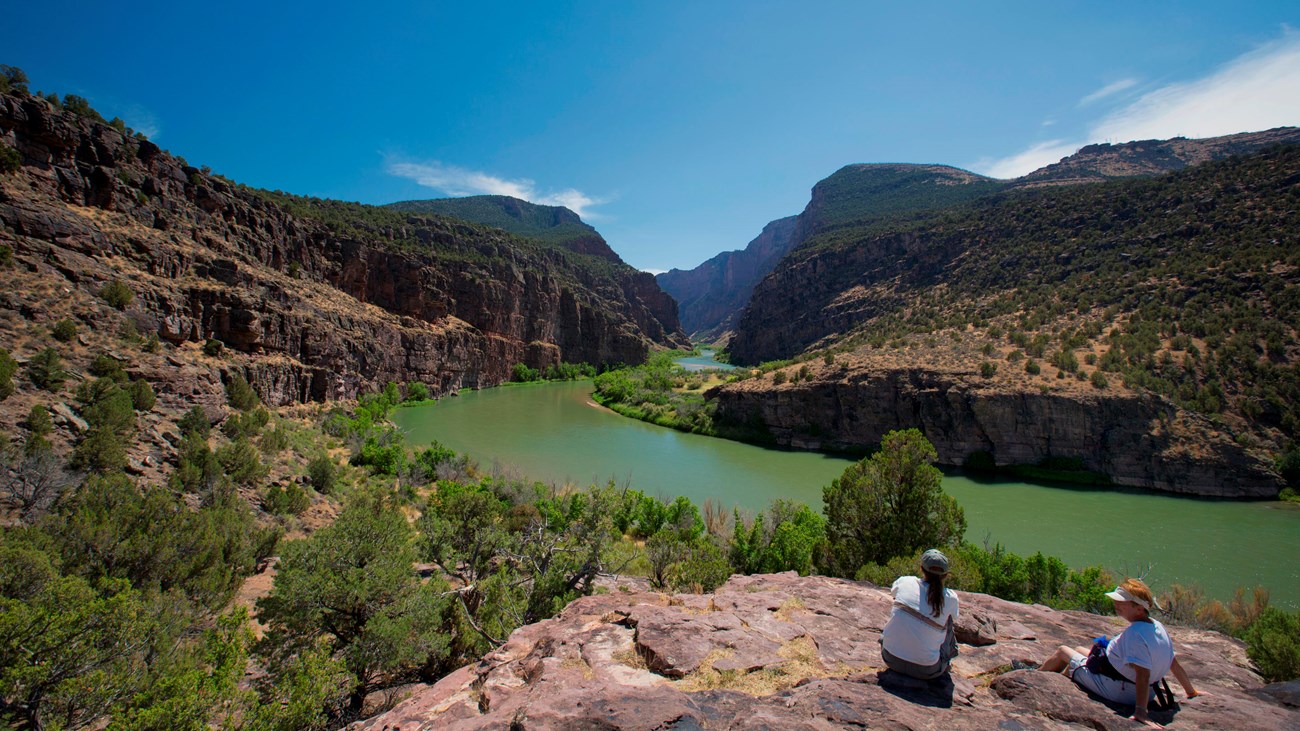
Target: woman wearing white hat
918, 640
1132, 662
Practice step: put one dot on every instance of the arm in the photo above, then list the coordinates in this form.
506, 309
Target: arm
1143, 682
1184, 680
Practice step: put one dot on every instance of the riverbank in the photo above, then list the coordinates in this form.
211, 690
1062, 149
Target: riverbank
549, 432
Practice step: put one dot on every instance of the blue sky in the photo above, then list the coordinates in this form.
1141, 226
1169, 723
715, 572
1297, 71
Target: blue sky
678, 129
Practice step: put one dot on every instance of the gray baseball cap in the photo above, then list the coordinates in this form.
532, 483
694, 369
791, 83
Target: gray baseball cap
934, 561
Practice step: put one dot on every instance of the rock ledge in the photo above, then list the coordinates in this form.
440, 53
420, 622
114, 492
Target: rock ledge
790, 652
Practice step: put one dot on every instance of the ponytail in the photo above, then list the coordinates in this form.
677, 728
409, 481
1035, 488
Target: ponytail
934, 591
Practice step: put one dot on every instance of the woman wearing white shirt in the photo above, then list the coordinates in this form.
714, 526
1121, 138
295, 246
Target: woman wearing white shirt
917, 640
1141, 655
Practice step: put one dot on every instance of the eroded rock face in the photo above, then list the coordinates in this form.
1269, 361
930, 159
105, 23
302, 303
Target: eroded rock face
324, 299
781, 651
1137, 439
712, 294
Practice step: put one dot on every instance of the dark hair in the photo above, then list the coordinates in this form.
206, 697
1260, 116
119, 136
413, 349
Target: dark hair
934, 591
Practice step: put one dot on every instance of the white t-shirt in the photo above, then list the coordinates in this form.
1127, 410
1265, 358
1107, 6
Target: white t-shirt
908, 638
1145, 644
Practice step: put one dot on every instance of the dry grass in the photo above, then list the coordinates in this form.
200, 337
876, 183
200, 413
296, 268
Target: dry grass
788, 608
630, 658
577, 662
801, 662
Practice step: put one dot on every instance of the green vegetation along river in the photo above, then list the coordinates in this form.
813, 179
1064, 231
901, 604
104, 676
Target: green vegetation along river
555, 432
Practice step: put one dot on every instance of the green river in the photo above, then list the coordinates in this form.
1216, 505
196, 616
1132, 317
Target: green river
554, 432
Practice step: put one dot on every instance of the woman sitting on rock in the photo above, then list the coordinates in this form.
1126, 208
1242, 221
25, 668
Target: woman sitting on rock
918, 640
1131, 662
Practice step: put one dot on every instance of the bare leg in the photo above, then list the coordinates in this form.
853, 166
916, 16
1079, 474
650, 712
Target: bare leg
1059, 661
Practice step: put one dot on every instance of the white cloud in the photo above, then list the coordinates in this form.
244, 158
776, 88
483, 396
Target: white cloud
655, 271
1108, 90
1256, 91
457, 182
1043, 153
1259, 90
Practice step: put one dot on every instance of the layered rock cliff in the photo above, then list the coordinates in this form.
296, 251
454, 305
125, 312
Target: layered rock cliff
1170, 289
317, 299
784, 652
711, 295
1137, 439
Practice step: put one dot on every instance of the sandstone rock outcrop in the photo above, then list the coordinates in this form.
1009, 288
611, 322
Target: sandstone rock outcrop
780, 651
1136, 439
318, 299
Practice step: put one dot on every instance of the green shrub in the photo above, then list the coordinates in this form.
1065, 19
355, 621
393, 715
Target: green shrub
64, 330
6, 256
274, 441
212, 348
987, 369
241, 395
38, 420
102, 450
702, 568
10, 160
523, 374
1032, 367
106, 404
416, 391
142, 396
788, 536
241, 462
45, 370
117, 294
865, 520
106, 366
245, 425
288, 499
1273, 644
7, 367
323, 474
195, 421
1098, 380
151, 344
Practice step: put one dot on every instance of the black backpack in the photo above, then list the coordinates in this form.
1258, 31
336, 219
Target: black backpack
1161, 699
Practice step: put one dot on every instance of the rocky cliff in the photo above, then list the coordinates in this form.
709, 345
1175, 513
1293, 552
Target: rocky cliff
784, 652
1137, 439
712, 294
317, 299
1173, 287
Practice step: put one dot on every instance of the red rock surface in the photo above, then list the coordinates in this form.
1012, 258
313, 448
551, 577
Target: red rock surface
781, 651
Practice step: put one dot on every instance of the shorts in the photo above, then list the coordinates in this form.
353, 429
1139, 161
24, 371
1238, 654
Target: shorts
911, 669
1116, 691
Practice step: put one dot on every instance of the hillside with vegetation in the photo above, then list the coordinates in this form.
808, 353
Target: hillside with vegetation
713, 295
553, 225
194, 536
1180, 288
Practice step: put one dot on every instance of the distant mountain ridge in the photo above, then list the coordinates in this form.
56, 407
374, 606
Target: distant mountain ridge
712, 295
554, 225
1096, 163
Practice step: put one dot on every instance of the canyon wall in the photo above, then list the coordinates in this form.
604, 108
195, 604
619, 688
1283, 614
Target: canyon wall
317, 299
